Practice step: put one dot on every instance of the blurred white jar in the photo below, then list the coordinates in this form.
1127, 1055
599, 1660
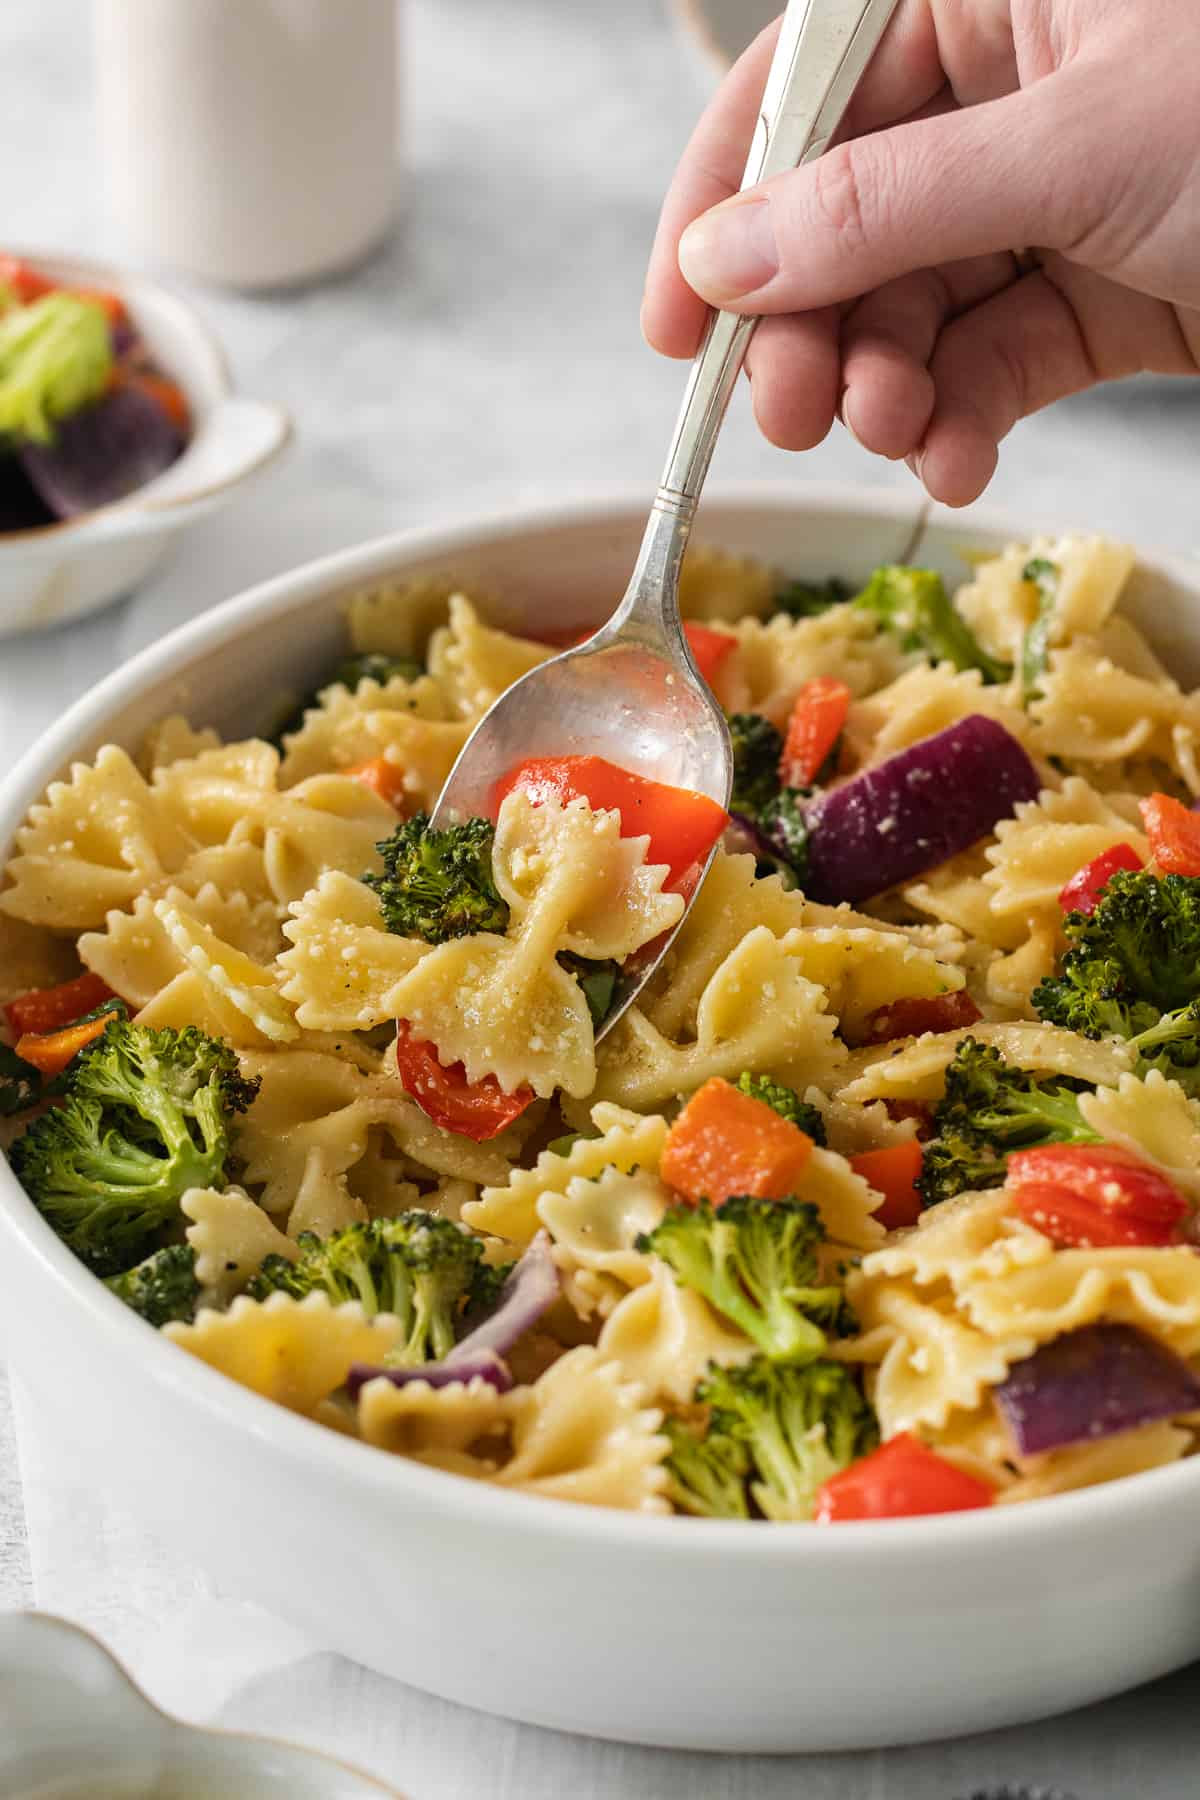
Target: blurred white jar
251, 142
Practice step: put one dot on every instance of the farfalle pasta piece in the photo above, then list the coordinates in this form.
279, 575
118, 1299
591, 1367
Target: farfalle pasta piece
343, 964
31, 957
924, 700
351, 726
914, 1068
773, 659
582, 1433
231, 1236
970, 1238
1153, 1117
1107, 1459
625, 1141
292, 1351
1000, 605
844, 1200
399, 617
241, 983
594, 1226
924, 1359
504, 1006
1156, 1290
759, 1011
957, 894
1091, 710
137, 957
441, 1427
976, 1442
1050, 839
1009, 979
864, 968
94, 844
664, 1336
171, 740
716, 585
473, 663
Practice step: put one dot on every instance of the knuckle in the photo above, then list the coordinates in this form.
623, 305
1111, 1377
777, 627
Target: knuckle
840, 189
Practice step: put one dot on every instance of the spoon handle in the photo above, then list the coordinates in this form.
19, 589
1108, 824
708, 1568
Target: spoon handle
824, 48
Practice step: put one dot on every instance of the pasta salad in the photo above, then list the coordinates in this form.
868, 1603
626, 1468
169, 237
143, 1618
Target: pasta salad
880, 1199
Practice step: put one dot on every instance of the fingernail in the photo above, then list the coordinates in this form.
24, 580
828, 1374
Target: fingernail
730, 251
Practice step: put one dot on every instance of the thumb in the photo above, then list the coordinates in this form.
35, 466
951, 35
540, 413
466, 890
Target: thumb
997, 176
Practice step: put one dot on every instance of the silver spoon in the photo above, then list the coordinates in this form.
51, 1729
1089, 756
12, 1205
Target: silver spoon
632, 692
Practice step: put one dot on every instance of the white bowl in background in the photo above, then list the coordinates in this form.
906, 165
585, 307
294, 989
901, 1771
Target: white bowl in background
715, 1635
74, 1726
55, 572
724, 28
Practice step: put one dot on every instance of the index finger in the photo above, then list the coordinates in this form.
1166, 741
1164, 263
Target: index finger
904, 75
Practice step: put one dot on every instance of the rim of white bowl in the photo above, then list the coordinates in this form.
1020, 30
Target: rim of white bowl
960, 1535
190, 322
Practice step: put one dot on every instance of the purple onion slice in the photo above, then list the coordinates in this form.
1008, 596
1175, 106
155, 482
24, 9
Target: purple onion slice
1093, 1383
904, 816
102, 453
481, 1365
533, 1286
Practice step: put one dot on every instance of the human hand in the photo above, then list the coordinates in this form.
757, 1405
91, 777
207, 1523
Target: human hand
889, 269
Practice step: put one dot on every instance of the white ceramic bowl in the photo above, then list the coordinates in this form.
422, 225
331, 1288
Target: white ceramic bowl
73, 1727
722, 29
706, 1634
55, 572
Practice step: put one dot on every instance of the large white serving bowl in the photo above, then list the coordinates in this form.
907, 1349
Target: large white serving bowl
709, 1635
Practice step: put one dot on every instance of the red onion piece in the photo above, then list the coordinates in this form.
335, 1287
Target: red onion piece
481, 1365
102, 453
533, 1286
907, 814
1093, 1383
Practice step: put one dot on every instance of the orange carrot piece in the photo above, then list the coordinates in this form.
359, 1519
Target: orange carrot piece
384, 778
724, 1142
893, 1172
51, 1051
1174, 833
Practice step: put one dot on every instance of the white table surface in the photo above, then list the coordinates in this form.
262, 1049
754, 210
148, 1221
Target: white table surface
490, 354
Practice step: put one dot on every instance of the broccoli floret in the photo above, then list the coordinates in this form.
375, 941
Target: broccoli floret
145, 1117
708, 1473
806, 599
419, 1266
20, 1083
914, 604
1133, 970
989, 1109
55, 358
783, 822
1035, 644
757, 747
598, 980
785, 1101
163, 1287
438, 885
755, 1261
799, 1423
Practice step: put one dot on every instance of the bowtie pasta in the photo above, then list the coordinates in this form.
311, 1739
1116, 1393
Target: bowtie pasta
881, 1197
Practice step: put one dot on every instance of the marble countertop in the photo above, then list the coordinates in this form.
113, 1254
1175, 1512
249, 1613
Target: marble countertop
488, 355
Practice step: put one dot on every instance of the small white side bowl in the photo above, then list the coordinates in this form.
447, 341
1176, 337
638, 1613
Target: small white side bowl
722, 29
73, 1726
56, 572
706, 1634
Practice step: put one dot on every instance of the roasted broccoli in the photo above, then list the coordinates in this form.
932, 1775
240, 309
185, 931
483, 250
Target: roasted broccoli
757, 747
785, 1101
163, 1287
708, 1472
914, 605
799, 1423
419, 1266
1133, 970
756, 1261
20, 1083
805, 599
1035, 644
438, 884
598, 980
989, 1109
145, 1117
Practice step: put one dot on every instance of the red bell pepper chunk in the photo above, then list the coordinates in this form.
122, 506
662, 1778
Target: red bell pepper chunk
1074, 1223
51, 1051
818, 715
1082, 893
1174, 834
709, 648
475, 1109
24, 281
893, 1172
1097, 1195
910, 1018
903, 1479
682, 826
49, 1009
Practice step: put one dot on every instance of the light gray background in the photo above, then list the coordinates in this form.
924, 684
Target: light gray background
489, 355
